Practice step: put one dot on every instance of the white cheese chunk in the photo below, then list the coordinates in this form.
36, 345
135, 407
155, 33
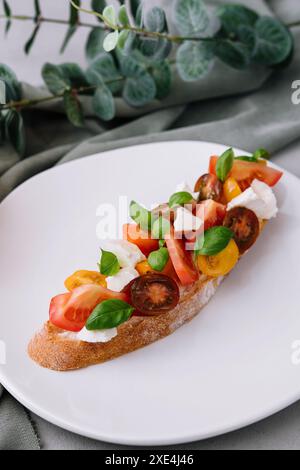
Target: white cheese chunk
259, 198
121, 279
185, 221
96, 336
127, 253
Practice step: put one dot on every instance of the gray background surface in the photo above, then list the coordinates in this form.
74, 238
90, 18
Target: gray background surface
281, 431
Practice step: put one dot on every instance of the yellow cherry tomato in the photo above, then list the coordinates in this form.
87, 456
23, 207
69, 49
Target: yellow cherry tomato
80, 278
144, 268
231, 189
220, 264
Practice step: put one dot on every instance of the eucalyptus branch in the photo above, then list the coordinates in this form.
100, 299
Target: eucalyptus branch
27, 103
140, 31
43, 19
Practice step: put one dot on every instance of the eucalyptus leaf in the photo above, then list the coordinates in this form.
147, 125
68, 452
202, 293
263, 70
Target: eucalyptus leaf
103, 103
194, 60
274, 42
162, 75
139, 88
234, 16
29, 43
110, 41
73, 108
156, 49
94, 44
134, 6
55, 79
70, 33
109, 14
191, 17
129, 42
233, 53
105, 66
74, 73
123, 16
15, 132
37, 10
74, 13
155, 20
109, 314
98, 6
12, 85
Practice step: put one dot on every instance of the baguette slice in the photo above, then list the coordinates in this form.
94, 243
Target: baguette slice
52, 349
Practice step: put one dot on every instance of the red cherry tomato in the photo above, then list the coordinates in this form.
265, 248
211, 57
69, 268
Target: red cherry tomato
182, 260
209, 187
245, 172
211, 212
133, 234
70, 311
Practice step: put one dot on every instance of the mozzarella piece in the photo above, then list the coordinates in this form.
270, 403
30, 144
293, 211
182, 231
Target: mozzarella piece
121, 279
259, 198
127, 253
185, 221
183, 186
96, 336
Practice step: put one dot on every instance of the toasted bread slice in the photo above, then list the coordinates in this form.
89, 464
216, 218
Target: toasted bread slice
50, 348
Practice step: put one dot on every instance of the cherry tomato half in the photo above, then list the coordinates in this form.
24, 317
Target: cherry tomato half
245, 172
245, 226
182, 260
209, 187
154, 294
133, 234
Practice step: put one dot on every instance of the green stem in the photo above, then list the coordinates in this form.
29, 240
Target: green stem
43, 19
27, 103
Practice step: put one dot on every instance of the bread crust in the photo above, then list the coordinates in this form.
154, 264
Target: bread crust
51, 349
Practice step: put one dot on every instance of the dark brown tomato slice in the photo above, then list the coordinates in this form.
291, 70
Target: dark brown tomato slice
154, 294
209, 187
245, 226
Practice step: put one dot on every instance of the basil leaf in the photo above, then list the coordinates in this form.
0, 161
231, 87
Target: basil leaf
261, 153
109, 264
179, 199
225, 164
109, 314
158, 259
161, 243
247, 159
140, 215
161, 228
213, 241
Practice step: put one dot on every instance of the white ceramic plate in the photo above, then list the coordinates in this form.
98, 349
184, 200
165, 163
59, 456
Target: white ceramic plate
229, 367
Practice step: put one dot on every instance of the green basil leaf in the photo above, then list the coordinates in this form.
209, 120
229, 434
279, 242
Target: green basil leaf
161, 227
213, 241
224, 164
109, 314
247, 159
261, 153
180, 198
161, 243
109, 264
140, 215
158, 259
